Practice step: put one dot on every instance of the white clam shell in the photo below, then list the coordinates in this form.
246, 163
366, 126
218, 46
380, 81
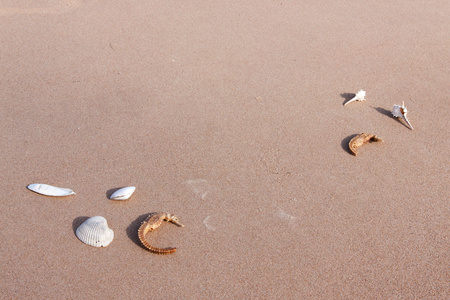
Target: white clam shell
95, 232
123, 193
49, 190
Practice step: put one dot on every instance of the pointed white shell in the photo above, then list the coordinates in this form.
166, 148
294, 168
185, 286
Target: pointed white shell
401, 112
397, 111
50, 190
360, 96
123, 193
95, 232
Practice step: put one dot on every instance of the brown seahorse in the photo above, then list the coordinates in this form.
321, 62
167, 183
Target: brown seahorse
361, 139
152, 222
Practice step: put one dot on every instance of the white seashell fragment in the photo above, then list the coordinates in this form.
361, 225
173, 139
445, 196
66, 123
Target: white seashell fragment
206, 223
49, 190
95, 232
123, 193
400, 112
360, 96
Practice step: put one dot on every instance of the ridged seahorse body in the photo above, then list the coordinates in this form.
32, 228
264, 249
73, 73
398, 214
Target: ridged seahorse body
152, 222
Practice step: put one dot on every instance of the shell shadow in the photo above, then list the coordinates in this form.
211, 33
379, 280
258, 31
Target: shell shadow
388, 114
132, 230
347, 97
383, 111
110, 192
344, 143
77, 222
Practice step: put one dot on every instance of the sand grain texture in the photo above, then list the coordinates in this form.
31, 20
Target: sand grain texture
229, 115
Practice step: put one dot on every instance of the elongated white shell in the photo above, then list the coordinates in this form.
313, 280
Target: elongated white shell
123, 193
360, 96
49, 190
95, 232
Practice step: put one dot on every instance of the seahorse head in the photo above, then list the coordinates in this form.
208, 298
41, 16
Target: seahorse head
174, 219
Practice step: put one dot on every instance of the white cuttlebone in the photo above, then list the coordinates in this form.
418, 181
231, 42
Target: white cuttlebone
400, 112
360, 96
49, 190
123, 193
95, 232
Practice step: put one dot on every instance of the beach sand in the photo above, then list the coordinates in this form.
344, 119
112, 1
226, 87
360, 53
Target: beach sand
230, 116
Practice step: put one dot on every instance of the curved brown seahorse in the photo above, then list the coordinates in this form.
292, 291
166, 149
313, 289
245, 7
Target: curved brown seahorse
362, 139
152, 222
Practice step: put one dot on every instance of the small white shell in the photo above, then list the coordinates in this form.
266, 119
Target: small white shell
95, 232
401, 112
49, 190
360, 96
397, 111
123, 193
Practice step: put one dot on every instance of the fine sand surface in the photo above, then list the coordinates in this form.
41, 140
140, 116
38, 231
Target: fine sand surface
228, 114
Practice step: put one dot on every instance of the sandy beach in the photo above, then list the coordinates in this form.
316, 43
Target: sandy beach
231, 116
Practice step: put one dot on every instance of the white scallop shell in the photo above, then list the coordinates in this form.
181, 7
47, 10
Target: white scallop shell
360, 96
50, 190
123, 193
95, 232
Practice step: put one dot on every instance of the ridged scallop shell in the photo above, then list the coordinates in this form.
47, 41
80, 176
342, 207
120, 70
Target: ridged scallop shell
95, 232
49, 190
123, 193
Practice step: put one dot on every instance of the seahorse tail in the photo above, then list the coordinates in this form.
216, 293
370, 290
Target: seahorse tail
141, 234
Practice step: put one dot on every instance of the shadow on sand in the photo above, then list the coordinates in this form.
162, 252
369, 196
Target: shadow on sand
77, 222
110, 192
347, 97
344, 143
132, 230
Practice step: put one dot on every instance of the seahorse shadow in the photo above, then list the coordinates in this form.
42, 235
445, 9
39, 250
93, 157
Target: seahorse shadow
77, 222
344, 143
388, 114
132, 230
347, 97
